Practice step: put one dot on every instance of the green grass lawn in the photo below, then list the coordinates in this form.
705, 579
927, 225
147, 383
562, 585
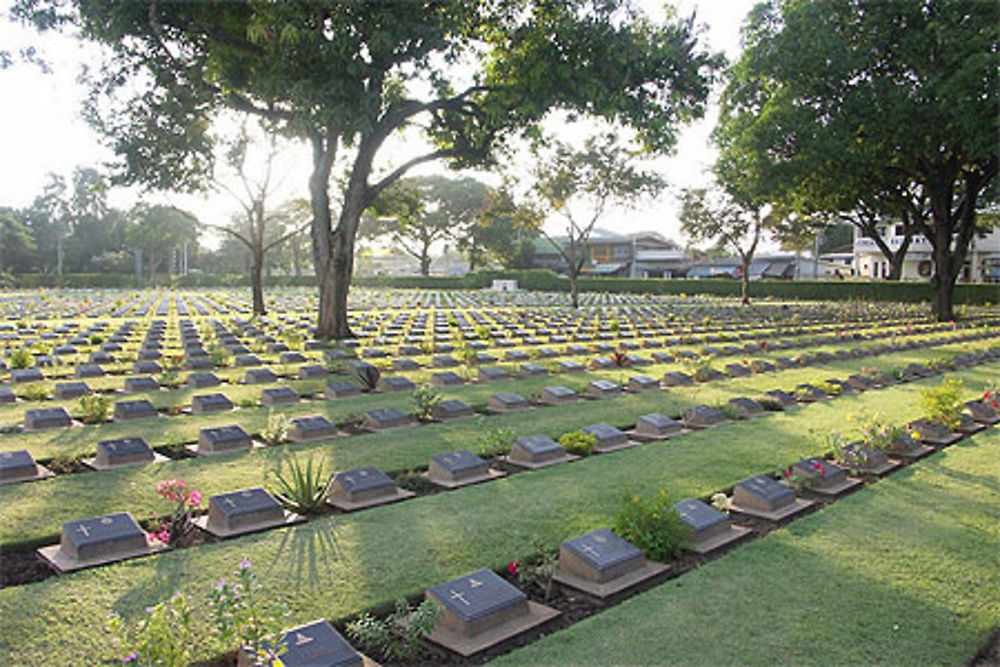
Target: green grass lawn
385, 553
34, 512
903, 572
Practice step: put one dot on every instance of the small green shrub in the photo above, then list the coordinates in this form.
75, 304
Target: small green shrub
94, 409
537, 569
96, 339
36, 391
275, 431
165, 636
396, 637
242, 618
425, 401
943, 405
21, 359
580, 443
720, 501
652, 526
495, 442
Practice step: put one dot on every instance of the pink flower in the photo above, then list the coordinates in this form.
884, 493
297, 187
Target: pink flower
788, 473
195, 498
512, 567
245, 564
131, 657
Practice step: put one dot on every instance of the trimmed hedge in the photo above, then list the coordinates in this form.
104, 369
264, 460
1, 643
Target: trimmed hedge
547, 281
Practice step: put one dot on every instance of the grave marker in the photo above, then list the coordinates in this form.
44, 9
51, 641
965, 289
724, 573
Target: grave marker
95, 541
221, 440
763, 497
315, 644
38, 418
656, 426
244, 511
138, 409
460, 468
381, 419
537, 451
313, 427
204, 403
602, 564
481, 610
710, 528
19, 466
363, 487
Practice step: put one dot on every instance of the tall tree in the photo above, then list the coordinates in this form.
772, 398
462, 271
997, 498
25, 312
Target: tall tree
158, 231
417, 212
15, 236
717, 217
503, 229
348, 75
252, 195
903, 93
581, 186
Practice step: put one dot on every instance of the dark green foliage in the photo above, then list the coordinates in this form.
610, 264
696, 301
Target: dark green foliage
652, 526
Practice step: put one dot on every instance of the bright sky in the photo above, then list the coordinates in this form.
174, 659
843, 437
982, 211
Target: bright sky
41, 130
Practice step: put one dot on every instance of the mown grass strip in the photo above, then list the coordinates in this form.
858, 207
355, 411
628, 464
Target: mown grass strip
389, 552
34, 512
903, 572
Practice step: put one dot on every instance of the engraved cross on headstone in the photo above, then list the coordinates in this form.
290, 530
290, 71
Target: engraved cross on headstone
83, 529
457, 595
301, 639
590, 550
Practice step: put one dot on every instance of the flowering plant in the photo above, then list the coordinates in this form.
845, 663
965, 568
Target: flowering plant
243, 618
165, 637
991, 395
800, 479
180, 522
943, 404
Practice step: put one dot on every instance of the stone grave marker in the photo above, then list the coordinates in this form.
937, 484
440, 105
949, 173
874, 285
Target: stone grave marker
67, 390
452, 408
736, 370
710, 528
364, 487
19, 466
97, 540
313, 427
703, 416
382, 419
312, 371
934, 434
642, 383
122, 452
508, 402
447, 378
259, 376
221, 440
89, 371
288, 358
205, 403
603, 389
676, 379
444, 361
199, 363
247, 361
26, 375
273, 396
557, 395
141, 384
146, 367
492, 374
908, 448
481, 610
602, 564
537, 451
783, 397
609, 438
656, 426
829, 479
244, 511
763, 497
978, 410
747, 407
533, 369
38, 418
967, 425
404, 364
315, 644
570, 366
602, 363
7, 395
868, 460
807, 393
460, 468
202, 380
341, 389
138, 409
392, 383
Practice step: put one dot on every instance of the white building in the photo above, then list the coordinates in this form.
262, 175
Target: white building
982, 261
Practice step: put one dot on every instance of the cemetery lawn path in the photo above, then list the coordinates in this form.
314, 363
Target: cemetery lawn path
902, 572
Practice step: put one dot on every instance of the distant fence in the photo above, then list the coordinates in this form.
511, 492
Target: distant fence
548, 281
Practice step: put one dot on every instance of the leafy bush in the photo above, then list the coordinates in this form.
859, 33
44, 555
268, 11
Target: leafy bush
96, 339
165, 637
495, 442
21, 359
35, 391
275, 431
580, 443
537, 569
943, 405
720, 502
221, 357
301, 488
184, 503
425, 401
94, 409
800, 479
243, 619
396, 637
652, 526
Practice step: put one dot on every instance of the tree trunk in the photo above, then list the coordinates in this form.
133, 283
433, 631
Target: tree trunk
943, 301
896, 265
574, 288
745, 280
425, 262
322, 236
257, 285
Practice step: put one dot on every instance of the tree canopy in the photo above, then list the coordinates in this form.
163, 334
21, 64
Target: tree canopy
863, 105
347, 76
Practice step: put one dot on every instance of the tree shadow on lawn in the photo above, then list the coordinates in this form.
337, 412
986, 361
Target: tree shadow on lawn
306, 554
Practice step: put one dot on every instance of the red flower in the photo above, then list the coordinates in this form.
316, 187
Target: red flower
512, 567
788, 473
